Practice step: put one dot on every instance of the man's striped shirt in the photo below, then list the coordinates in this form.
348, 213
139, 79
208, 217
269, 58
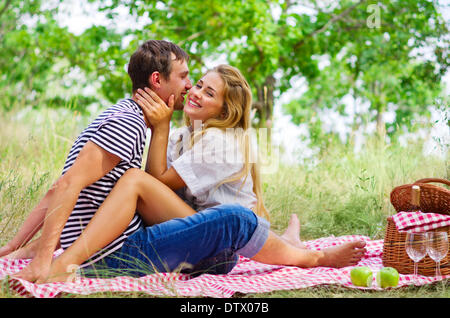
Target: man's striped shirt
120, 130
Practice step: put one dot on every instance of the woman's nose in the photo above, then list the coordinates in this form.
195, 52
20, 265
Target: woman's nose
188, 84
195, 93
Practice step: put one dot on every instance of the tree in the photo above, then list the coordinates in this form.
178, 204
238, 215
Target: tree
273, 42
378, 64
38, 54
30, 41
269, 38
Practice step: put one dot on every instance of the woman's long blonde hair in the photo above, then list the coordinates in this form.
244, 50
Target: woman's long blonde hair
236, 114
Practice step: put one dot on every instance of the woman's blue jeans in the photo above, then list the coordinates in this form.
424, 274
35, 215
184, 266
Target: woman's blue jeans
206, 242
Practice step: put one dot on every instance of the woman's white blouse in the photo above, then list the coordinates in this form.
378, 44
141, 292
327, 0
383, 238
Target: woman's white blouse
212, 159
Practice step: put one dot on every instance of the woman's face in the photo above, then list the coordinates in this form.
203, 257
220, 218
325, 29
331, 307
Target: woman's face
205, 99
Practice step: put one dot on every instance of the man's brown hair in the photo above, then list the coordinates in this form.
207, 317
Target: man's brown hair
153, 56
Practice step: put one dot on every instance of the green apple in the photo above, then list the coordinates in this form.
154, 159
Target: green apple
361, 276
387, 277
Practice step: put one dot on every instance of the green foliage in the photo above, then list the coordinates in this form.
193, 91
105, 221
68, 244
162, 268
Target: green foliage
29, 52
378, 65
272, 42
38, 54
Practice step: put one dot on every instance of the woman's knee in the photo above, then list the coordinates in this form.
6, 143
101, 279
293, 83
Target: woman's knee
132, 173
132, 177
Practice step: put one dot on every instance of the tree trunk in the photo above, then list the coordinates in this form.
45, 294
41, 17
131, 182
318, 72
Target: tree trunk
264, 102
379, 105
381, 125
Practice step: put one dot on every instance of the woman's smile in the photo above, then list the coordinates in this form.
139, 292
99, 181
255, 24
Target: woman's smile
191, 103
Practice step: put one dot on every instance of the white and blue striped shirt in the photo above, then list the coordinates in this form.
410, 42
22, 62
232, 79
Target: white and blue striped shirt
120, 130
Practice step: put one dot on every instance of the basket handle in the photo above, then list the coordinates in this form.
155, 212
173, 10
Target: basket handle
427, 180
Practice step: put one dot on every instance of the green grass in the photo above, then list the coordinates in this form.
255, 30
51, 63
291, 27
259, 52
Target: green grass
344, 193
347, 192
33, 148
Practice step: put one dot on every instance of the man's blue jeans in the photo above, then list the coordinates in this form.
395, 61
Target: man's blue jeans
210, 241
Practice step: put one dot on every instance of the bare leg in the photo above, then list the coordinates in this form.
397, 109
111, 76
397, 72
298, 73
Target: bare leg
136, 189
277, 251
292, 233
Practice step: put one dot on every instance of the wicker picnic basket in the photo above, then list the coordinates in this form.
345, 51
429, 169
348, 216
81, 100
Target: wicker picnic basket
435, 199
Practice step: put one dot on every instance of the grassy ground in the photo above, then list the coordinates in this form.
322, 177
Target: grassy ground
345, 193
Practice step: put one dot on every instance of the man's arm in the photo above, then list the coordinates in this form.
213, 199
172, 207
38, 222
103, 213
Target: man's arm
92, 163
29, 228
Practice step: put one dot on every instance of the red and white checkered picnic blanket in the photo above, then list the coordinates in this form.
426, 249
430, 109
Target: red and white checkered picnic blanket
247, 277
415, 222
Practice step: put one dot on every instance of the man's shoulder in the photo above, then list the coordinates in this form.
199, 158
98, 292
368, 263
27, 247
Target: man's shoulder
126, 111
127, 103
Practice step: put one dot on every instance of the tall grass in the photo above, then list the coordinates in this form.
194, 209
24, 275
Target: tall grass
347, 192
344, 193
33, 147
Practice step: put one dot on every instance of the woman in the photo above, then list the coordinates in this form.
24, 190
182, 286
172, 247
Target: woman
195, 163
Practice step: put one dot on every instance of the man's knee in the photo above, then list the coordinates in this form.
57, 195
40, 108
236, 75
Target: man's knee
235, 210
249, 231
237, 218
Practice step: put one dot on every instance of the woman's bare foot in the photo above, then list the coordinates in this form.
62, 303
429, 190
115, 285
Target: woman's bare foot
59, 272
292, 233
347, 254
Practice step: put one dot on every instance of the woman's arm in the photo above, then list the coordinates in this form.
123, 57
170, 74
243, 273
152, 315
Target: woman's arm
157, 162
159, 115
157, 154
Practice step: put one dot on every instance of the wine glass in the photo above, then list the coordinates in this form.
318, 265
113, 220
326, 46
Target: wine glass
416, 248
437, 248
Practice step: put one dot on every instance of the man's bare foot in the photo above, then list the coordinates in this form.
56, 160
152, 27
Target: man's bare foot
26, 252
5, 251
347, 254
292, 233
21, 253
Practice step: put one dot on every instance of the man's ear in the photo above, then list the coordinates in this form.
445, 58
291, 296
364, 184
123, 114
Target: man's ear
154, 80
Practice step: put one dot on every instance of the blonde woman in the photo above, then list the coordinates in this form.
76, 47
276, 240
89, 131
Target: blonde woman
201, 208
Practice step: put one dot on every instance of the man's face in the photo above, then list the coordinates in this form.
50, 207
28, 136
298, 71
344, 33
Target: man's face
177, 84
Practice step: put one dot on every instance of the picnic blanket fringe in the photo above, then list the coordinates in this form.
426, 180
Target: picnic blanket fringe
247, 277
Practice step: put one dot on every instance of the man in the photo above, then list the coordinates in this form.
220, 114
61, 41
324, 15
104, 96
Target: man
104, 151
